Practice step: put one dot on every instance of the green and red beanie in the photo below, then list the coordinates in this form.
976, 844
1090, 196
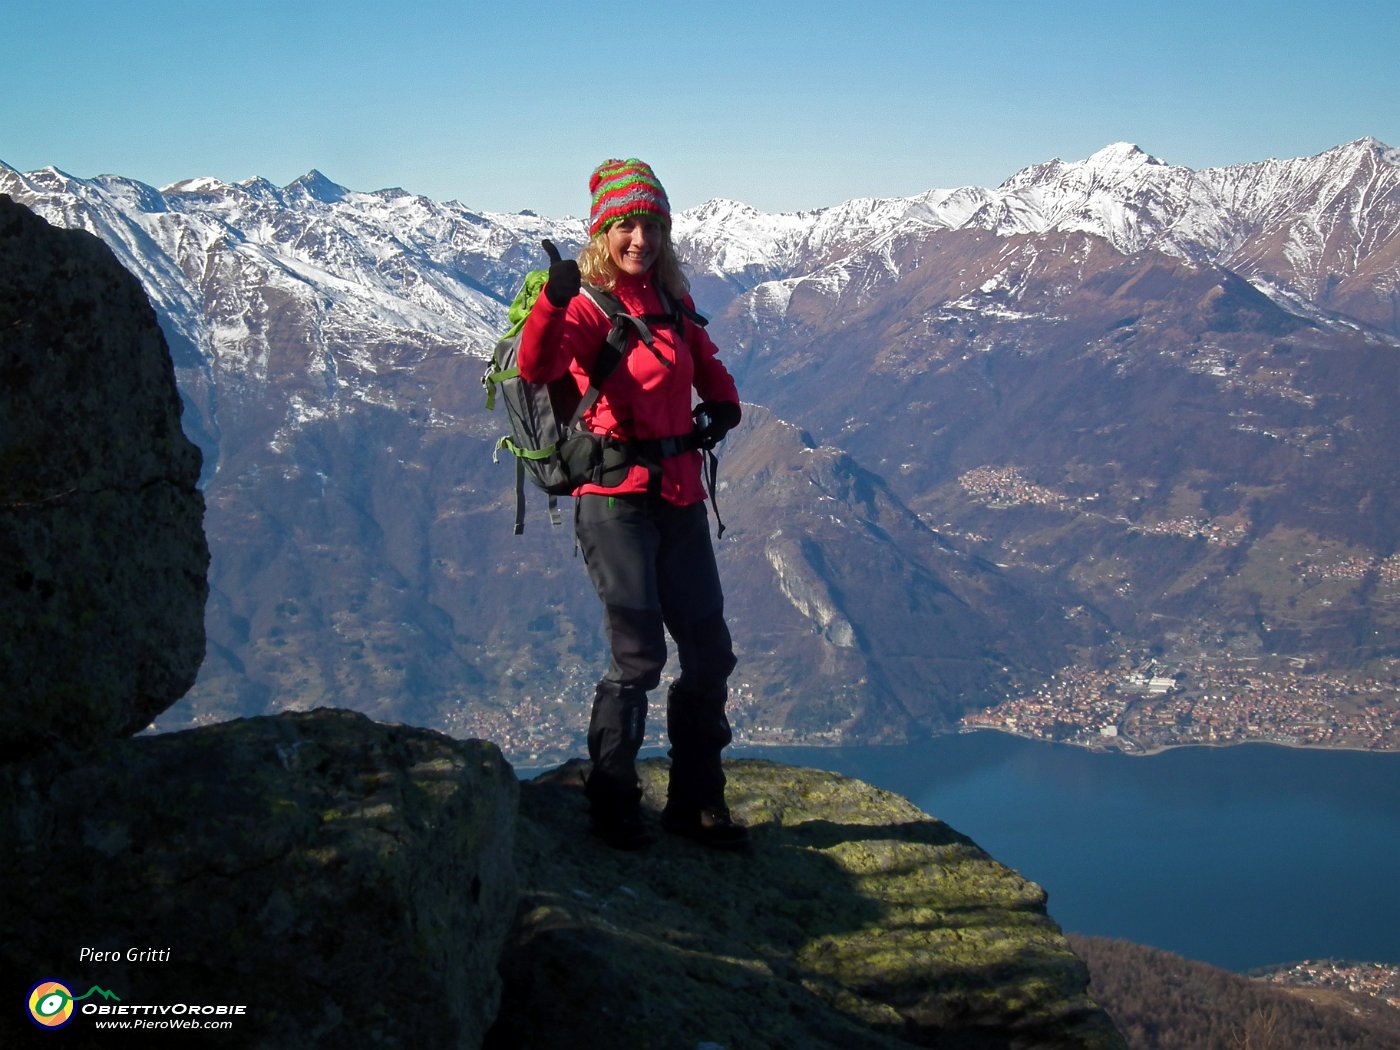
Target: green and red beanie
623, 188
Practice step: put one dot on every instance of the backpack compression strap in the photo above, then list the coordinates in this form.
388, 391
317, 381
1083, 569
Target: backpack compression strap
521, 455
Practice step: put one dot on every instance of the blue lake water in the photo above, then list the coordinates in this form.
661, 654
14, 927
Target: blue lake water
1240, 857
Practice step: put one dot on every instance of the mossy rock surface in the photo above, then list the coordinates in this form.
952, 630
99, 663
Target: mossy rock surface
350, 882
854, 920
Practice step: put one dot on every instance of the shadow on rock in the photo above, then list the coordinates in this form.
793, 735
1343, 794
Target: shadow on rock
853, 920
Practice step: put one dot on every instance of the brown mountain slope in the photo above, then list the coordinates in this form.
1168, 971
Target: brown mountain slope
1161, 1001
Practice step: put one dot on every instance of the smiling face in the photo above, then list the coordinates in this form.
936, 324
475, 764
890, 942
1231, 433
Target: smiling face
634, 244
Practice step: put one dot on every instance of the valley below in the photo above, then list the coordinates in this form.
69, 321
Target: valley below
1103, 455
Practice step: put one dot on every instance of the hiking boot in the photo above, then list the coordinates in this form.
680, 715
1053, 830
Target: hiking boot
620, 828
710, 826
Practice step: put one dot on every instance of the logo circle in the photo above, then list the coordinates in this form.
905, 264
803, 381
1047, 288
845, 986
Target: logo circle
50, 1004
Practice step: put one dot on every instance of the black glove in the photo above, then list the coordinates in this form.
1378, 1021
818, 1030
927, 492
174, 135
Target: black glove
564, 282
564, 278
714, 419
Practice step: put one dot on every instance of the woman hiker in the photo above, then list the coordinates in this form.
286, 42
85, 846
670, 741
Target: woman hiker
645, 538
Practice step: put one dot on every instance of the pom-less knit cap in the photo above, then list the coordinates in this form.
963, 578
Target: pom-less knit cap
623, 188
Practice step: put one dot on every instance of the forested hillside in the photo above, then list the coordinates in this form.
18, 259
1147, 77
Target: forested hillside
1161, 1001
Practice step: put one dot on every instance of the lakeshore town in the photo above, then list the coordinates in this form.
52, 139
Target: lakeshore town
1151, 706
1380, 981
1138, 705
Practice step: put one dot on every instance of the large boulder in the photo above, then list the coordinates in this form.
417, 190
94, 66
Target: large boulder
103, 583
855, 922
351, 884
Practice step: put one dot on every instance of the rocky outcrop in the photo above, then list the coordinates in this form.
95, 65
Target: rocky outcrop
347, 883
855, 921
353, 884
104, 559
350, 883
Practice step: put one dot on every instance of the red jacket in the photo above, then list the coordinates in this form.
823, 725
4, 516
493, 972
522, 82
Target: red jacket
643, 399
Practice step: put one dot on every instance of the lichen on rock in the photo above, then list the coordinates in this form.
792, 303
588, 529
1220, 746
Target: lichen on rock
854, 920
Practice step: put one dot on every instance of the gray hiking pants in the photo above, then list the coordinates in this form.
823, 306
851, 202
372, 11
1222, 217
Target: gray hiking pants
653, 567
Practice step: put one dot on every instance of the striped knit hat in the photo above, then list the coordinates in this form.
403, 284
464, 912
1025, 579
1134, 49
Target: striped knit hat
622, 188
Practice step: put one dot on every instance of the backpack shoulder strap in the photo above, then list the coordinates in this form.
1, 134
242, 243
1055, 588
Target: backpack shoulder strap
682, 309
623, 323
608, 304
619, 341
677, 313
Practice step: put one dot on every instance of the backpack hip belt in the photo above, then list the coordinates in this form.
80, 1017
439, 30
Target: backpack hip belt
605, 461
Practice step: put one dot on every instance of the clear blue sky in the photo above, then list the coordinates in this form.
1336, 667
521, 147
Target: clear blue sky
782, 105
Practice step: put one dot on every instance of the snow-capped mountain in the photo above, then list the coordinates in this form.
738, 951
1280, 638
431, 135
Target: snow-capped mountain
1146, 343
374, 269
388, 261
365, 271
1310, 230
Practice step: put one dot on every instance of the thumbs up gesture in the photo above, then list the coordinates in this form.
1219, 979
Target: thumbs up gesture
564, 280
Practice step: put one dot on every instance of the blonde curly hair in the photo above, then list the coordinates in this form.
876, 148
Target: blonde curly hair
596, 266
